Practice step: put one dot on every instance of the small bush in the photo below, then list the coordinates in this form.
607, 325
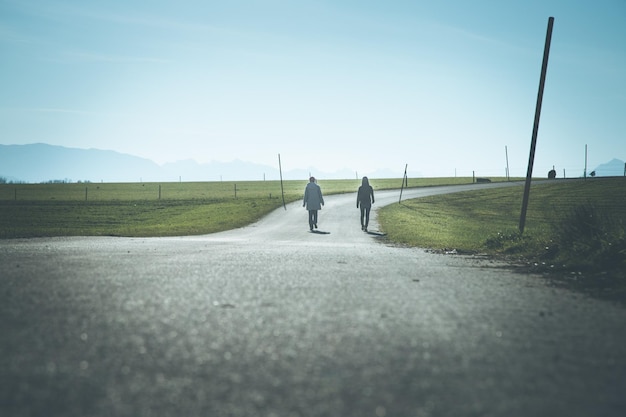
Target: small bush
511, 242
503, 239
589, 238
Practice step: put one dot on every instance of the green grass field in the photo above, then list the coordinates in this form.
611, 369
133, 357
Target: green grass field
151, 209
487, 221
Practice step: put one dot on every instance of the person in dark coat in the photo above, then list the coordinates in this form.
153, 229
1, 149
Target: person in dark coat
364, 200
313, 201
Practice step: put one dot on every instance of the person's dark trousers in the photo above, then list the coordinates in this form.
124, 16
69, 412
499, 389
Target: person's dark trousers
312, 218
365, 215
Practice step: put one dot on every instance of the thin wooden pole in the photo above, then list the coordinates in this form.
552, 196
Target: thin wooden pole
404, 180
506, 151
585, 173
282, 191
533, 142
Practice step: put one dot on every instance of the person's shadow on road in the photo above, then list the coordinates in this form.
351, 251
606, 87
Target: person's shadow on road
376, 233
319, 232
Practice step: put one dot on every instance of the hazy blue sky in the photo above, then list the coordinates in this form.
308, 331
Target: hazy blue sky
441, 85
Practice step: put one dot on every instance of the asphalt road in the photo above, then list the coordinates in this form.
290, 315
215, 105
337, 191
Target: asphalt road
272, 320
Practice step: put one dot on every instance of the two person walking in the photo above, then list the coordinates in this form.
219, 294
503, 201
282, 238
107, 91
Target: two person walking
313, 201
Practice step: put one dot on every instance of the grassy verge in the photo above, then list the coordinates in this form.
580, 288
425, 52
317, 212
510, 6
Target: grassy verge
574, 229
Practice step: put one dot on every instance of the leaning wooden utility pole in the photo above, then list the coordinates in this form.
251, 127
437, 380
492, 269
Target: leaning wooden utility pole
585, 173
506, 153
404, 181
533, 142
282, 190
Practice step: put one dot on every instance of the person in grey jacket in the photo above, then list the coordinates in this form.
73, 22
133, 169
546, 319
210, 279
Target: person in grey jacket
313, 201
365, 199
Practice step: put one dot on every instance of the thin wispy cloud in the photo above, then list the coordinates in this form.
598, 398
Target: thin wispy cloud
116, 59
474, 36
57, 110
145, 20
93, 12
70, 13
8, 34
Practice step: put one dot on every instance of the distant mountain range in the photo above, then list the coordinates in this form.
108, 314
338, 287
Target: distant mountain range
40, 162
613, 168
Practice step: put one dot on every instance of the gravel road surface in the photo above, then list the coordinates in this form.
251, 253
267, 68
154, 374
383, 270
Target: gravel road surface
271, 320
